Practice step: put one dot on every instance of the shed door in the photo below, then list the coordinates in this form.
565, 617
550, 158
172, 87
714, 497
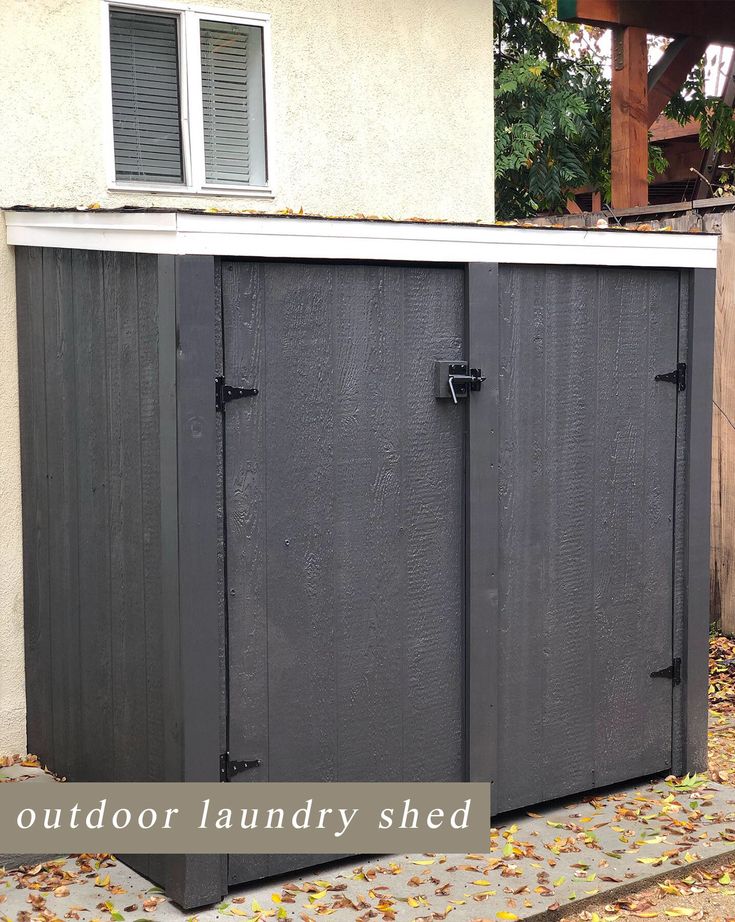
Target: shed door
344, 492
587, 472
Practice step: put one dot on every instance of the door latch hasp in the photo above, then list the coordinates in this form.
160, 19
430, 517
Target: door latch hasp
456, 379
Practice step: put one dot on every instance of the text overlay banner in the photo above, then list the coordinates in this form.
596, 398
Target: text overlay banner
237, 818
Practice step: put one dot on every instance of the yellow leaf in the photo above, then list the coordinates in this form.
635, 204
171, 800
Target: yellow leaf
424, 861
679, 911
482, 883
725, 879
509, 916
276, 897
257, 907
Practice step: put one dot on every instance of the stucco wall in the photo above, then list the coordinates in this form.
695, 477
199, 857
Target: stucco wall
12, 686
380, 107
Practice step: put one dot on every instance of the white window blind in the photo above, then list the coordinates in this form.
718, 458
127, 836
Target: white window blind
232, 102
145, 96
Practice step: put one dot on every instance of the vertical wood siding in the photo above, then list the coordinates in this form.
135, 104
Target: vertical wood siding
587, 462
91, 477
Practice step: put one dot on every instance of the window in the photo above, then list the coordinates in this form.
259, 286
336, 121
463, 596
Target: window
188, 94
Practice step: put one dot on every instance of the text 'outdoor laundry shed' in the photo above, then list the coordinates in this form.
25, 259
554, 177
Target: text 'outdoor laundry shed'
349, 500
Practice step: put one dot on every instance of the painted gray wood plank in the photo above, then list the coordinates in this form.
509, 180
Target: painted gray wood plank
63, 505
700, 355
523, 574
433, 466
127, 593
569, 405
369, 493
245, 512
300, 384
150, 497
635, 440
34, 470
586, 495
196, 315
679, 640
481, 523
221, 537
95, 649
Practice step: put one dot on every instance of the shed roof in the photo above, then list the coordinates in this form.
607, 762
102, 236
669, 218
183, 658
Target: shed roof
311, 237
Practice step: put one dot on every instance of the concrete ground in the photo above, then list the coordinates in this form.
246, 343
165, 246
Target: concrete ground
20, 772
551, 861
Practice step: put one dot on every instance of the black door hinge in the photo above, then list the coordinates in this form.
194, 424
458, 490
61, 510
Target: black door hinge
224, 393
678, 377
230, 768
672, 672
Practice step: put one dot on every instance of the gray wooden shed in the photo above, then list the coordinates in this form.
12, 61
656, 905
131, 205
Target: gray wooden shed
347, 575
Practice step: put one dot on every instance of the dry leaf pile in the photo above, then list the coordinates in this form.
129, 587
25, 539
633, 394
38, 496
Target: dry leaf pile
28, 761
87, 891
722, 709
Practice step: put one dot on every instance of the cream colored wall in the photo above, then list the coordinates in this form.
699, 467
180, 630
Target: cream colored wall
12, 691
380, 107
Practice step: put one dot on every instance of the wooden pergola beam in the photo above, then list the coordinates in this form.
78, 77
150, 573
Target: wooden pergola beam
713, 20
629, 113
669, 73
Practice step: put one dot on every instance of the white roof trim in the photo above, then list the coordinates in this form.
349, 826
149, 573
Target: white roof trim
311, 238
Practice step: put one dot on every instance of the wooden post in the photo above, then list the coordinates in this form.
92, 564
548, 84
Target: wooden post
722, 569
629, 147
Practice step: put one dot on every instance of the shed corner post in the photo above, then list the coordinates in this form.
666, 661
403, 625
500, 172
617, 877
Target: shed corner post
195, 880
700, 361
481, 523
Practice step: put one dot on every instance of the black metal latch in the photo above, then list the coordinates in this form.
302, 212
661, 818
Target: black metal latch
224, 393
230, 768
456, 379
677, 377
672, 672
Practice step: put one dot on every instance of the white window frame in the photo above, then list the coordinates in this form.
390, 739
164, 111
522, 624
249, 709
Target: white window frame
190, 94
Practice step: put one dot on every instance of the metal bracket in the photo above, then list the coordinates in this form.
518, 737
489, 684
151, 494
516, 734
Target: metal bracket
224, 393
672, 672
230, 768
677, 377
456, 379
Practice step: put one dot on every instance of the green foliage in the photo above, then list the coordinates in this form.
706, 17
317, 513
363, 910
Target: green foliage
717, 126
552, 112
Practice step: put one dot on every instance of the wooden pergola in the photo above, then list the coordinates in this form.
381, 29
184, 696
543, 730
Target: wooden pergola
639, 94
